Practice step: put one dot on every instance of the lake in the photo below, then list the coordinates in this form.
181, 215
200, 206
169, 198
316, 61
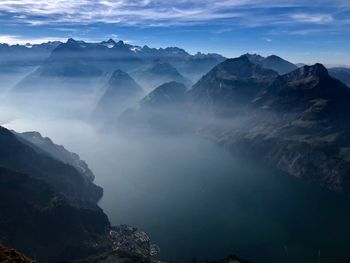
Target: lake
195, 199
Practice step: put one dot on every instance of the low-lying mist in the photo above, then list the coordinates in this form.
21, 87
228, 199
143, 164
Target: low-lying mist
193, 198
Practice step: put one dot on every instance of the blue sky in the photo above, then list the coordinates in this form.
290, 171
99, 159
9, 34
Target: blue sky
298, 30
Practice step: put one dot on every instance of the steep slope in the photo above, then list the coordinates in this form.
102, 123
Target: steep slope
157, 73
120, 92
343, 74
167, 95
163, 109
8, 255
58, 152
43, 224
230, 85
27, 158
273, 62
48, 208
299, 124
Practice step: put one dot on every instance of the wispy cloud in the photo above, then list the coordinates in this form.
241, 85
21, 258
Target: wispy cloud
313, 18
14, 39
164, 12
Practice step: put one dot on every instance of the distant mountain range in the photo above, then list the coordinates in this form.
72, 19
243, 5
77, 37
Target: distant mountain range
295, 119
14, 56
71, 62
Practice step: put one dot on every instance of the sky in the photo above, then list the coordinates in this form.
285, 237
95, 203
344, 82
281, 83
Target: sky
298, 30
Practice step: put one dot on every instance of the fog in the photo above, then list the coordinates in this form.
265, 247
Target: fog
193, 197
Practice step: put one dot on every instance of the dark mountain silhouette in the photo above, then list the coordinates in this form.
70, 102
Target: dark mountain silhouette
48, 208
58, 152
231, 84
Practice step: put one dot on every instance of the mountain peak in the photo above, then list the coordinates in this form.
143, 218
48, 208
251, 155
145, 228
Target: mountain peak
118, 74
254, 58
317, 70
241, 67
166, 94
120, 43
111, 41
71, 41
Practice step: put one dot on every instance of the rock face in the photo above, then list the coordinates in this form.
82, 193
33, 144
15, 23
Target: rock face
58, 152
9, 255
131, 240
24, 157
44, 224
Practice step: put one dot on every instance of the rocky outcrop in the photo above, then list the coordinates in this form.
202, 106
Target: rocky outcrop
58, 152
21, 156
10, 255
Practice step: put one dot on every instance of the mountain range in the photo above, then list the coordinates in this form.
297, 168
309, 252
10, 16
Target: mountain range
296, 122
295, 119
70, 63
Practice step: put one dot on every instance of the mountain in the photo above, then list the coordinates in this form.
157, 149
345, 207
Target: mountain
120, 92
14, 56
343, 74
11, 255
16, 61
272, 62
166, 95
58, 152
298, 124
157, 73
231, 84
78, 64
48, 208
158, 111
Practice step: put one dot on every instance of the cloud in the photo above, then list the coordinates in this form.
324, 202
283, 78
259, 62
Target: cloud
14, 39
150, 13
313, 18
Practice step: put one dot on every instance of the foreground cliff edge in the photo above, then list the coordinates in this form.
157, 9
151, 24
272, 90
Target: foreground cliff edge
49, 208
